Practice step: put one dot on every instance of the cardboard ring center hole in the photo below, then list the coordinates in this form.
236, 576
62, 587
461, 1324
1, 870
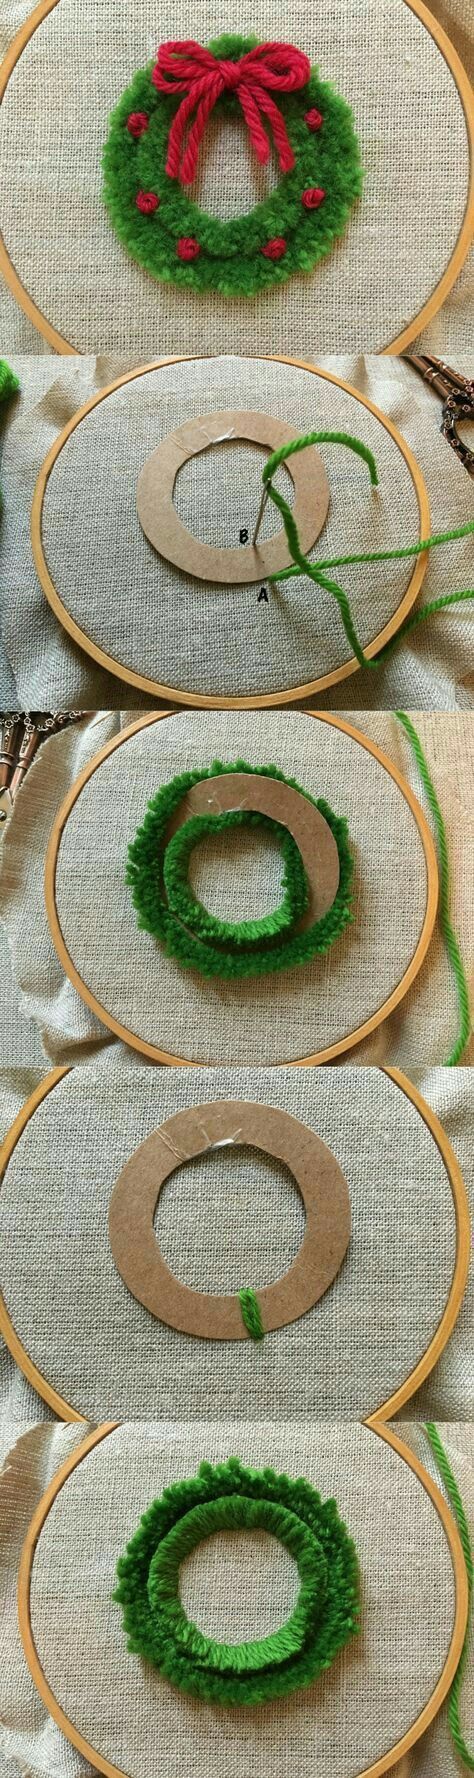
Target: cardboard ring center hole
269, 796
317, 1174
165, 530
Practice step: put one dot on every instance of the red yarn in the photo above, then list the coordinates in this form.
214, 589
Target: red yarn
313, 197
313, 119
187, 247
275, 249
195, 71
137, 123
147, 202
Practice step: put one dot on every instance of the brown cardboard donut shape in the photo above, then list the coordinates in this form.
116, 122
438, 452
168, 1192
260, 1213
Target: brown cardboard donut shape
133, 1203
165, 530
270, 796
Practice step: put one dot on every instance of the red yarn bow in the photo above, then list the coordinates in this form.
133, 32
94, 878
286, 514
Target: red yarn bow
188, 68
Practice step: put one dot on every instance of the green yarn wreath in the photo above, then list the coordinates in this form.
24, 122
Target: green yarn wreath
294, 227
168, 910
232, 1497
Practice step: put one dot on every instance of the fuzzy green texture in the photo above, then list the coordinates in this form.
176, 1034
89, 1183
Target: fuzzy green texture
9, 385
251, 1315
231, 259
163, 900
228, 1496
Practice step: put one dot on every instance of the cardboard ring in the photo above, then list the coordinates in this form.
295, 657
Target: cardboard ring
269, 796
66, 1410
198, 700
228, 567
189, 1133
106, 1766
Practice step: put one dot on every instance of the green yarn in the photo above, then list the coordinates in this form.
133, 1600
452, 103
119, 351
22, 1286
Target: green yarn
448, 933
231, 933
226, 1497
231, 259
251, 1315
315, 571
9, 385
166, 907
454, 1497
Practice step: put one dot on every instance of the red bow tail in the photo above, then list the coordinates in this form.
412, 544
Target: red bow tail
203, 79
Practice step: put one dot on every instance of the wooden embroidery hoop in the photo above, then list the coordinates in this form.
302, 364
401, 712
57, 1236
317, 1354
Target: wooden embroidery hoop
198, 700
66, 1411
429, 1711
461, 249
153, 1050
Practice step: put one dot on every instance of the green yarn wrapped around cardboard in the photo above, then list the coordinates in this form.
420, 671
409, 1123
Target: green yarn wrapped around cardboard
168, 910
225, 1497
152, 150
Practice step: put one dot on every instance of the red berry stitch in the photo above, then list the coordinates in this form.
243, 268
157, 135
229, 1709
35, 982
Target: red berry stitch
137, 123
188, 247
313, 119
275, 249
147, 202
313, 197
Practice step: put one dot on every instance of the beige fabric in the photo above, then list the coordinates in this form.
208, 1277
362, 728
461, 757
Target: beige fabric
418, 1036
30, 1737
231, 1217
433, 669
268, 1019
94, 1517
398, 242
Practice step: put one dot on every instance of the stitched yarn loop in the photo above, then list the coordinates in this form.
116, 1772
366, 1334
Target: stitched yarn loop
452, 1490
167, 909
231, 1497
157, 138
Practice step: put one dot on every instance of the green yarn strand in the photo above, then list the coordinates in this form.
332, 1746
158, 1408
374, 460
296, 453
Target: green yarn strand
454, 1497
251, 1316
9, 385
316, 571
449, 936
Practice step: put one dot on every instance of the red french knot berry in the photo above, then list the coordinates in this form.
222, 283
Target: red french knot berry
313, 119
313, 197
137, 123
275, 249
187, 247
147, 202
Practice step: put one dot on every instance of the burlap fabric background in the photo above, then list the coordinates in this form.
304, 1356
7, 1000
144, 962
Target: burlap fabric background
233, 1216
38, 661
273, 1018
420, 1033
398, 242
354, 1711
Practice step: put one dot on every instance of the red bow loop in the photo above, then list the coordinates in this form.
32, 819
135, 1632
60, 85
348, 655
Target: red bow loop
186, 67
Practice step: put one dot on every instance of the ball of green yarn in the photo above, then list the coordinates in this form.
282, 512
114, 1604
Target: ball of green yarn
168, 910
229, 1496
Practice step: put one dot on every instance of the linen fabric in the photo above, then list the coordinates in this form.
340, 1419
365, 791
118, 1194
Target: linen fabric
231, 1217
399, 240
433, 668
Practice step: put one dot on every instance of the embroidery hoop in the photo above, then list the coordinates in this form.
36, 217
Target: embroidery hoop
78, 1740
68, 1412
195, 698
437, 297
159, 1054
